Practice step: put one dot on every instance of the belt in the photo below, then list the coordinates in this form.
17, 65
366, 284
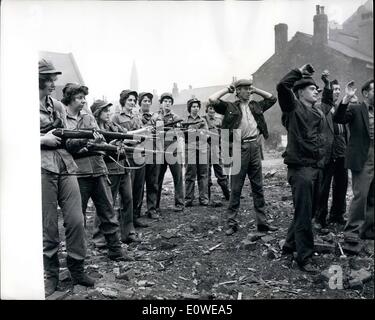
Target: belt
250, 139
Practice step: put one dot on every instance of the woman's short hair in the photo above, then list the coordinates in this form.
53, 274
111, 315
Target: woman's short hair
72, 89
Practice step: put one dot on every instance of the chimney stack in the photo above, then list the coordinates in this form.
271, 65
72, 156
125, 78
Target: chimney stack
320, 36
175, 90
281, 37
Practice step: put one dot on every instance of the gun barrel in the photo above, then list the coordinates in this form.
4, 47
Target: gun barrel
89, 134
112, 148
170, 124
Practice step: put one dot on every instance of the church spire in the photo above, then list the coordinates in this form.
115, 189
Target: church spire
134, 77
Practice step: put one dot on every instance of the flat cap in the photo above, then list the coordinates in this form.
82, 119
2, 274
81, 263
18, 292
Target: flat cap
98, 106
243, 82
304, 82
46, 67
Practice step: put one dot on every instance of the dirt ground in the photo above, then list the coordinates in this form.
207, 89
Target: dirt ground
188, 256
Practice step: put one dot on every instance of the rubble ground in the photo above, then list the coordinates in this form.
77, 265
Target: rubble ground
188, 256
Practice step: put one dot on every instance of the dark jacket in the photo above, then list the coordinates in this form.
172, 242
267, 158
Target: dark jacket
233, 114
305, 125
328, 131
357, 118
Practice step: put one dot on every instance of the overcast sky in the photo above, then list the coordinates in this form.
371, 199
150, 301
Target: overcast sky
198, 43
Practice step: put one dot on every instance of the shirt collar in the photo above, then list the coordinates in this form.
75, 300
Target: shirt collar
44, 107
128, 114
79, 115
197, 117
141, 112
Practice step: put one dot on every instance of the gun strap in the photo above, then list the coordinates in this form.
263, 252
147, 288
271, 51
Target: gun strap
129, 168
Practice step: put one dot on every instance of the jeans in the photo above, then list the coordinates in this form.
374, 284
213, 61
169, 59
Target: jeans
97, 188
196, 171
361, 212
137, 183
120, 184
151, 180
251, 165
336, 171
176, 170
222, 179
305, 189
62, 190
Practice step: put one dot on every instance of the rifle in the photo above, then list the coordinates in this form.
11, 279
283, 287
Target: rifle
171, 124
56, 124
89, 134
112, 148
185, 125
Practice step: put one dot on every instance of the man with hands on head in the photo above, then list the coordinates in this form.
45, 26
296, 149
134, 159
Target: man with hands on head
360, 159
304, 156
247, 115
334, 170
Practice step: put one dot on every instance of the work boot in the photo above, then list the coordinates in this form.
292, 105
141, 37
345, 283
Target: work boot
114, 246
153, 215
139, 224
77, 272
132, 237
226, 193
51, 270
115, 251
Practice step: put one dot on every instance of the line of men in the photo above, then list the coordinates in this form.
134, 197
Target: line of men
73, 173
323, 142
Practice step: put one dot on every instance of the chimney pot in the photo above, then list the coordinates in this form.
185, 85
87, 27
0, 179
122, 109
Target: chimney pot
317, 9
320, 27
281, 37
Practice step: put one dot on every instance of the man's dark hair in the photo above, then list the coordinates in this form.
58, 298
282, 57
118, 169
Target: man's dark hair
366, 85
69, 93
334, 82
